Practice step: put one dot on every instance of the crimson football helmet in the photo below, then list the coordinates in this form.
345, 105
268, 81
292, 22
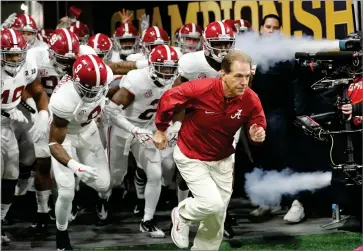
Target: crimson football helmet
190, 38
80, 30
152, 37
44, 34
163, 64
64, 48
126, 39
218, 40
27, 27
13, 51
90, 77
177, 38
242, 26
102, 44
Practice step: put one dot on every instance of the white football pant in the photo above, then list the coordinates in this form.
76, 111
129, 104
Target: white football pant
147, 157
88, 149
211, 185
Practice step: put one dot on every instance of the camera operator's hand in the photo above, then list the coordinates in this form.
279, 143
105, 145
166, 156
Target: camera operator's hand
347, 109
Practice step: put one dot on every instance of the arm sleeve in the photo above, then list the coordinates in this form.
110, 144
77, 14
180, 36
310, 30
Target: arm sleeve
257, 115
357, 109
173, 100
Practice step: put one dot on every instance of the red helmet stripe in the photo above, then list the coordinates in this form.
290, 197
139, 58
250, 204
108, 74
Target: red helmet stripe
223, 29
13, 36
97, 70
127, 30
69, 40
78, 24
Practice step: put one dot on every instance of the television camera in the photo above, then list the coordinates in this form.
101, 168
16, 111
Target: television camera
341, 70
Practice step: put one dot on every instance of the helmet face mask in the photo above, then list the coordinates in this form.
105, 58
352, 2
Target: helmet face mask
12, 61
219, 49
89, 94
29, 36
190, 36
190, 43
62, 64
126, 39
127, 45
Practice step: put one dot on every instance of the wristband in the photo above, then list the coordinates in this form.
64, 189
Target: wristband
73, 165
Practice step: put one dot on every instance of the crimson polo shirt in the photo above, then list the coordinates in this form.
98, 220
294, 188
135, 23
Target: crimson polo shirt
212, 120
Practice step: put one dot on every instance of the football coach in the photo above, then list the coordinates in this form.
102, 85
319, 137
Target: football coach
215, 109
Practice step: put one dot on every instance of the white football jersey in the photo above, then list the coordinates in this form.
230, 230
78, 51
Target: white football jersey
115, 57
141, 111
136, 57
67, 104
47, 74
193, 65
12, 87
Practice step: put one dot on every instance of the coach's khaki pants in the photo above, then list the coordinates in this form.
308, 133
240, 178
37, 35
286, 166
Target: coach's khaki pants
211, 185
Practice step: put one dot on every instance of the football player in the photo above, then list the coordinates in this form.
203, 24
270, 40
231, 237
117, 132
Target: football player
74, 136
53, 63
131, 111
18, 75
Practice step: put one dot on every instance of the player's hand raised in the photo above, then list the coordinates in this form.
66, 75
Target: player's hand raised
83, 172
160, 140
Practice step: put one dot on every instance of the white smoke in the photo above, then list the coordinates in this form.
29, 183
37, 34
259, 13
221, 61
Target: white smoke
266, 51
265, 188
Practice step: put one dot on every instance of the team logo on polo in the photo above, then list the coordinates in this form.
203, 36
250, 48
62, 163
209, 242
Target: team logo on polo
202, 75
148, 93
237, 114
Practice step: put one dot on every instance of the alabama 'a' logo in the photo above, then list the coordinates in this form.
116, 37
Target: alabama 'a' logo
237, 114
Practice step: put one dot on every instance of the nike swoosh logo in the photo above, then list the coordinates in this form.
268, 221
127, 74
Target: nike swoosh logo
80, 170
209, 112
